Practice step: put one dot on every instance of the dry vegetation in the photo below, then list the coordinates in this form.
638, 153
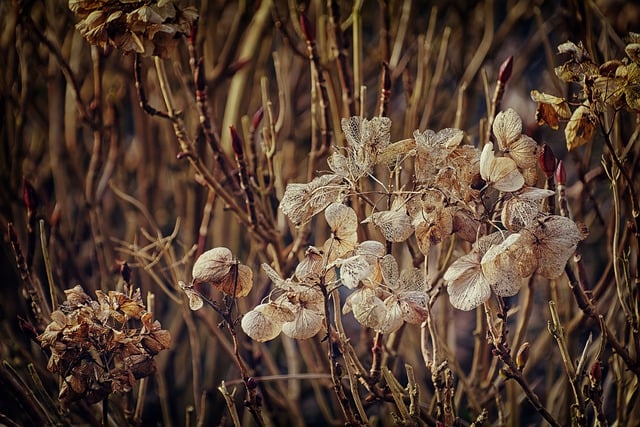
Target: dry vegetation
234, 213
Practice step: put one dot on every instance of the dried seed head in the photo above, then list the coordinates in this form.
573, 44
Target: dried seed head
218, 268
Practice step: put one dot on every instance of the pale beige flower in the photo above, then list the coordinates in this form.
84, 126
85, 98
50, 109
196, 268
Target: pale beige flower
500, 172
343, 223
219, 269
523, 150
301, 202
521, 208
467, 285
265, 321
394, 224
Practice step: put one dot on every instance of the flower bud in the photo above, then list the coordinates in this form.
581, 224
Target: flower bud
236, 142
561, 174
547, 160
251, 383
523, 355
505, 70
307, 28
257, 118
29, 196
595, 373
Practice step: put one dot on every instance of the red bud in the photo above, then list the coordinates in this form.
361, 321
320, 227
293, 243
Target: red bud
29, 196
257, 118
561, 174
547, 160
236, 142
201, 81
505, 70
125, 272
595, 373
307, 28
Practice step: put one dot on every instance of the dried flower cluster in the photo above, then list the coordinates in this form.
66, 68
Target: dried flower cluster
145, 27
458, 189
101, 346
614, 84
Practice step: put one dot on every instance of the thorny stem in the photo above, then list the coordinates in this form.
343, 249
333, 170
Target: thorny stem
209, 130
587, 306
318, 80
353, 419
69, 75
341, 59
633, 197
197, 163
511, 371
556, 329
376, 353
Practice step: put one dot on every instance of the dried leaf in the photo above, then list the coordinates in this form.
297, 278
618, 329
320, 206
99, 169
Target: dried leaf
580, 127
550, 109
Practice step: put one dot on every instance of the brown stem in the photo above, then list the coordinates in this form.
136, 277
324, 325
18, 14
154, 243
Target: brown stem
344, 71
590, 310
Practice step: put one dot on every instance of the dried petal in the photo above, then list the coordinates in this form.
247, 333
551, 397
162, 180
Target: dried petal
307, 323
499, 268
501, 172
264, 323
395, 225
301, 202
466, 284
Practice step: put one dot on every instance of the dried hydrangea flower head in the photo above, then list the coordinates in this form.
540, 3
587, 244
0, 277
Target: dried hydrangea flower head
217, 269
298, 311
145, 27
101, 346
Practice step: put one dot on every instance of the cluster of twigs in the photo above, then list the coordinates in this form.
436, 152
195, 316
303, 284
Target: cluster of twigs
122, 169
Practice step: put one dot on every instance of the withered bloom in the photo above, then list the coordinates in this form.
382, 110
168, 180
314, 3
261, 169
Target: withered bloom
145, 27
101, 346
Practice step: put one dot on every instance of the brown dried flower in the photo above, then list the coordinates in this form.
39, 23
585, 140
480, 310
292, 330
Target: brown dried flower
101, 346
145, 27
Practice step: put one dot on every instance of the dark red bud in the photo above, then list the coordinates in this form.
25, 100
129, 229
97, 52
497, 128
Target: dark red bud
547, 160
29, 196
238, 65
251, 383
125, 272
236, 142
307, 28
201, 81
193, 32
257, 118
561, 174
386, 77
595, 373
54, 220
505, 70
